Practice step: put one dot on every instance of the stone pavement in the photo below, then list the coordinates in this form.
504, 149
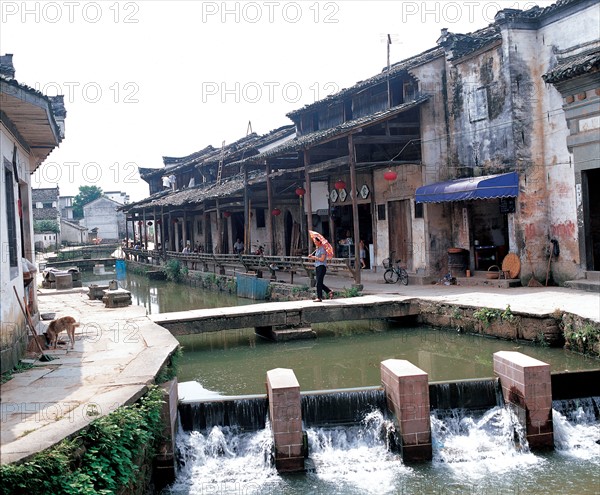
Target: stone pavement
118, 352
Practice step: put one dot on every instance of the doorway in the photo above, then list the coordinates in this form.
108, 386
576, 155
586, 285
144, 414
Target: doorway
591, 217
399, 225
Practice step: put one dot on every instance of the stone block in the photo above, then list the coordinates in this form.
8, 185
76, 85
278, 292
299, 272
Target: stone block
64, 281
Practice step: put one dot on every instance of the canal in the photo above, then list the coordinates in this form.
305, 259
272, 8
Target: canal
471, 455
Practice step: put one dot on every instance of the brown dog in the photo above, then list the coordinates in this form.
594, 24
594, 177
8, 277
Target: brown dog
67, 323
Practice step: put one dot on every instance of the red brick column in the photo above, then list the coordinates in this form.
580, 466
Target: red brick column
407, 391
526, 385
283, 390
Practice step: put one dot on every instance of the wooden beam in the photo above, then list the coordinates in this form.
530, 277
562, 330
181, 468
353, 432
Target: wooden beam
352, 154
386, 139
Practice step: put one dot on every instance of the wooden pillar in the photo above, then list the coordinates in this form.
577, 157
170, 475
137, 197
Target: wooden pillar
308, 197
155, 223
219, 245
126, 232
270, 229
145, 230
352, 157
247, 219
184, 231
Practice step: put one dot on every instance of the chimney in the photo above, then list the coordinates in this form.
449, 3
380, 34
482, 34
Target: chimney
7, 68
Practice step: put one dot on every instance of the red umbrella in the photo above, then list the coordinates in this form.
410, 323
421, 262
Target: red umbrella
324, 242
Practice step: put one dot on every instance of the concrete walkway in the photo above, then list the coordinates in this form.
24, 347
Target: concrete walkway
118, 352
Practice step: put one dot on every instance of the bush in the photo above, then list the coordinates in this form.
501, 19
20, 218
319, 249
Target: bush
103, 459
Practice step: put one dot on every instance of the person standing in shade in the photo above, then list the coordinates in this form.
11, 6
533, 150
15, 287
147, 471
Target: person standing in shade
320, 257
362, 253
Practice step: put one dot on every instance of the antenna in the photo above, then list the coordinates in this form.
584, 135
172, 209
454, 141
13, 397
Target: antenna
388, 39
249, 129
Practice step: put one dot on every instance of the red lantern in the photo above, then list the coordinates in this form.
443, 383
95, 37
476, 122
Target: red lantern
276, 212
226, 214
390, 176
300, 191
340, 184
158, 222
140, 223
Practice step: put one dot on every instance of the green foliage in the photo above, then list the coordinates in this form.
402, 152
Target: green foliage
487, 315
86, 195
174, 270
351, 292
19, 368
44, 226
102, 460
169, 370
584, 338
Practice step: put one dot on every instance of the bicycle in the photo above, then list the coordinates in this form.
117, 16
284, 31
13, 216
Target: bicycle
394, 271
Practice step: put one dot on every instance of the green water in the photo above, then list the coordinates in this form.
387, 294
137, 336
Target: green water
348, 354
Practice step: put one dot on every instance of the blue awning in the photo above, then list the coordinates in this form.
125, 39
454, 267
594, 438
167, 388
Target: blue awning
484, 187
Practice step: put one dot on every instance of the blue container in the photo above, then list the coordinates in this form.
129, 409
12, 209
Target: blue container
250, 287
121, 270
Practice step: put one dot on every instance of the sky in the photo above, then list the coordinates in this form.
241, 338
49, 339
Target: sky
153, 78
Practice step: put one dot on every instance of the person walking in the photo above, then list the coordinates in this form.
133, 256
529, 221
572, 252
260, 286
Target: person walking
320, 257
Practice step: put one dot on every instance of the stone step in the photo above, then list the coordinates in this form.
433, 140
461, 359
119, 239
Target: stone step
593, 276
583, 284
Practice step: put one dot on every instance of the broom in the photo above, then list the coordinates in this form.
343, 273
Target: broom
533, 282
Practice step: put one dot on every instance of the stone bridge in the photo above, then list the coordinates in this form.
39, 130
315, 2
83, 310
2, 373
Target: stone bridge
290, 313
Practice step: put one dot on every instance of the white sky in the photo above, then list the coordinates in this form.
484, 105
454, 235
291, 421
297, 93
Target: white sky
144, 79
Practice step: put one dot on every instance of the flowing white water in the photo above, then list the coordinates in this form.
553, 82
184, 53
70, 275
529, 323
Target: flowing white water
356, 459
576, 429
477, 447
225, 460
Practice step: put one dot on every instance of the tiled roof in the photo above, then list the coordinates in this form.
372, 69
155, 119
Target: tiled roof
314, 138
458, 45
45, 214
576, 65
395, 69
44, 195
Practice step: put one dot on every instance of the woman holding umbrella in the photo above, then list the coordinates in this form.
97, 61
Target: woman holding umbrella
320, 257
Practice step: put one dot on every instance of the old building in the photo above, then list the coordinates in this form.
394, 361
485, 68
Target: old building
46, 218
31, 126
103, 217
462, 147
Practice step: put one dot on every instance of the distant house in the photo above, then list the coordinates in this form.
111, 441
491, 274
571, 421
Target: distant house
65, 205
46, 217
31, 126
72, 233
102, 214
118, 196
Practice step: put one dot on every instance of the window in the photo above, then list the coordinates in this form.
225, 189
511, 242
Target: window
418, 210
11, 223
39, 205
260, 218
478, 104
380, 212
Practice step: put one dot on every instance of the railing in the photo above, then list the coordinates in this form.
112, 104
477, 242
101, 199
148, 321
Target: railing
248, 262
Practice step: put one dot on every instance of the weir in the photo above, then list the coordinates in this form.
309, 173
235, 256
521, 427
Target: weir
421, 420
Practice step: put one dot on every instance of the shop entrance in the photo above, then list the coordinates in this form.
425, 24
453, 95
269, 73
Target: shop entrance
399, 225
489, 233
591, 215
344, 229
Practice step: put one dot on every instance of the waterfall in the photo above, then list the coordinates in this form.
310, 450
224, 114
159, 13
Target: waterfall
475, 395
223, 459
356, 458
577, 427
247, 413
478, 445
342, 407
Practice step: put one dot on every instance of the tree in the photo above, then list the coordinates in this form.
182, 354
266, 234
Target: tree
43, 226
86, 195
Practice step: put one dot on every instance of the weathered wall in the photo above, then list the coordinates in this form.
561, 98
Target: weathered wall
13, 332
